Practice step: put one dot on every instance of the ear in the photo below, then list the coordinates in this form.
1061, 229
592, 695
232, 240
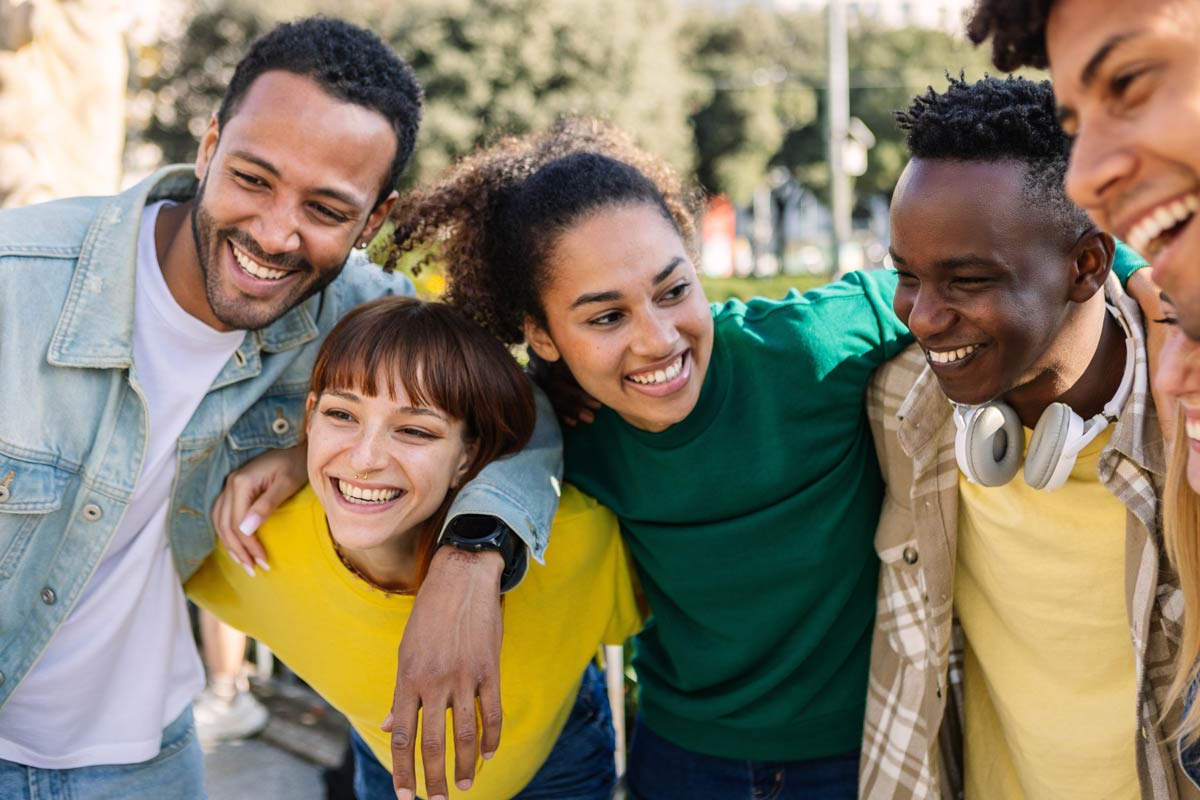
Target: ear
464, 464
377, 218
539, 339
208, 146
1091, 261
309, 405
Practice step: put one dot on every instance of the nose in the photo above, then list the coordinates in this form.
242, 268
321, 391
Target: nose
277, 228
369, 452
1098, 165
925, 312
655, 334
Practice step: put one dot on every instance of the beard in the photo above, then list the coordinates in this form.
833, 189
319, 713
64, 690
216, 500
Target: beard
233, 308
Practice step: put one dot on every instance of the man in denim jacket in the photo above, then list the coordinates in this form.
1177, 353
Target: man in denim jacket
150, 343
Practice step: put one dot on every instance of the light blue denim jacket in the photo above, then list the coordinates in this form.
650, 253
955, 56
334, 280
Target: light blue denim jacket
73, 420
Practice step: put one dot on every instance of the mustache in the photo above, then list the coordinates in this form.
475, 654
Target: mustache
284, 261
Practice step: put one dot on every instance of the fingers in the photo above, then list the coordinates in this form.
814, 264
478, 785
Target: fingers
464, 740
433, 751
491, 715
222, 518
403, 726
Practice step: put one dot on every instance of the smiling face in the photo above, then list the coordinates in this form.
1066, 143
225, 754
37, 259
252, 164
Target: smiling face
1178, 378
626, 312
1126, 75
381, 467
288, 186
984, 282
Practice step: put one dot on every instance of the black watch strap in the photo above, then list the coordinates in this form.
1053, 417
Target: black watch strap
475, 533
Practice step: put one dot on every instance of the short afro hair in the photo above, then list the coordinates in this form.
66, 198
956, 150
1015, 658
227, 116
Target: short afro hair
1010, 119
348, 62
1017, 28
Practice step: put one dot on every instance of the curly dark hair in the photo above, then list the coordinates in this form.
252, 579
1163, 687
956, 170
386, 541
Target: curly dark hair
995, 119
1017, 28
348, 62
494, 218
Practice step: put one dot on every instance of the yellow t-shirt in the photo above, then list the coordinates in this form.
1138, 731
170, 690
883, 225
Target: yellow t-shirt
340, 635
1049, 676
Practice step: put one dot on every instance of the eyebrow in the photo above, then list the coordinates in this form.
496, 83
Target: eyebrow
613, 294
955, 262
323, 191
417, 410
1105, 50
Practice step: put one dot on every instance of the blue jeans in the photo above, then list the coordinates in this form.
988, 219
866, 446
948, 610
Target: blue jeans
579, 767
176, 773
660, 770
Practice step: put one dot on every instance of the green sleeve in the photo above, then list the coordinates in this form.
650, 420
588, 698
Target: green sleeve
870, 321
1126, 261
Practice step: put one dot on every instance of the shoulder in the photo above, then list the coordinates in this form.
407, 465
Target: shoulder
302, 511
577, 510
362, 280
48, 230
893, 381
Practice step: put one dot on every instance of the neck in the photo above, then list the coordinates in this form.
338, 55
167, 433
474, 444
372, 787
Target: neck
392, 566
180, 263
1085, 375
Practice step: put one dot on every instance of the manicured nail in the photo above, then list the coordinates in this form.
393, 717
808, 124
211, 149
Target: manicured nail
386, 725
249, 570
250, 524
263, 564
464, 784
489, 756
404, 794
236, 560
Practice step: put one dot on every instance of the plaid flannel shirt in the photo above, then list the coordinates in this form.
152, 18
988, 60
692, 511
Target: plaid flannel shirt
912, 737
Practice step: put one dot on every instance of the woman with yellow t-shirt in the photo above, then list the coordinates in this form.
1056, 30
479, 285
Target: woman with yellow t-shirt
408, 401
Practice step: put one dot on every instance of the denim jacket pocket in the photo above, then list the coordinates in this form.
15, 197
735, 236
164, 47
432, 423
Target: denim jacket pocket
273, 423
29, 490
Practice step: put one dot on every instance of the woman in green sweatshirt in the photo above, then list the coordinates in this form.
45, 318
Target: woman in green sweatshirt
731, 442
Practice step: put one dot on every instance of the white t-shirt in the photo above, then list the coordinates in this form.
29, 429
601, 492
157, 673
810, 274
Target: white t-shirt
123, 663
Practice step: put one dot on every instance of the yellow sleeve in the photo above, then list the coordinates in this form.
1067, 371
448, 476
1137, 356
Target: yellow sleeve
629, 614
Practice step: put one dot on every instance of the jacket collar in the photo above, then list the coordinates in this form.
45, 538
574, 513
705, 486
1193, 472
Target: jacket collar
95, 328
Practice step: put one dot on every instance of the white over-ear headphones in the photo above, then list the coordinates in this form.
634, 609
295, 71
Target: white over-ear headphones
990, 437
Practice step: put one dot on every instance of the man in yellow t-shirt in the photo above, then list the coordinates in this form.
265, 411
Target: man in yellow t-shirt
339, 633
1024, 616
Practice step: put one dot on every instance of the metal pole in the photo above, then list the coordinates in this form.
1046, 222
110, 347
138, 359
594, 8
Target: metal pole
839, 120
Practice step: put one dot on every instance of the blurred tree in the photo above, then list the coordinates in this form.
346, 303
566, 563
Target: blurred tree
487, 65
763, 105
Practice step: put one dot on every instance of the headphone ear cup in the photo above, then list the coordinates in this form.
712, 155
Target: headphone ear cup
993, 441
1058, 425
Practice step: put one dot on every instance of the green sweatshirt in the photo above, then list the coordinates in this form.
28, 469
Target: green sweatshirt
752, 524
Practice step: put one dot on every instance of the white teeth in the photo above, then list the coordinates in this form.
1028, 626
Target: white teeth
1143, 235
256, 269
660, 375
356, 494
950, 356
1192, 427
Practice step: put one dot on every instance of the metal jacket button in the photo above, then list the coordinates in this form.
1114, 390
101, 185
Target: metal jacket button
4, 494
92, 512
910, 555
281, 426
48, 596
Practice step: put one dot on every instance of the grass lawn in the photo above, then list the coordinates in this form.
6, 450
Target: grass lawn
721, 289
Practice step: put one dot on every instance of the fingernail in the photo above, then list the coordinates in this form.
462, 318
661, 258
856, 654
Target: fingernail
489, 756
387, 722
263, 564
438, 797
404, 794
464, 784
236, 560
249, 569
250, 524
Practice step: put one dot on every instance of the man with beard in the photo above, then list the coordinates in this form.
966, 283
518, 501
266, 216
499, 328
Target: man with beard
153, 341
1126, 75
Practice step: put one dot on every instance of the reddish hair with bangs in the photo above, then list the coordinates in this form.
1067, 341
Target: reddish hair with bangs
443, 360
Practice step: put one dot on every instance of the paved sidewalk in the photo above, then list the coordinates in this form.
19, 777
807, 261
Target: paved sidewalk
286, 760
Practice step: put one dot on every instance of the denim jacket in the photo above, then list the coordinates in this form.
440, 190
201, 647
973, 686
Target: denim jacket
73, 419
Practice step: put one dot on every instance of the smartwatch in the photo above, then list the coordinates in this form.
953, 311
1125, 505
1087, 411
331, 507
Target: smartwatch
475, 533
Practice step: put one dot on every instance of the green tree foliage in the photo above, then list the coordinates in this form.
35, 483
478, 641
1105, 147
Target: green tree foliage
488, 66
